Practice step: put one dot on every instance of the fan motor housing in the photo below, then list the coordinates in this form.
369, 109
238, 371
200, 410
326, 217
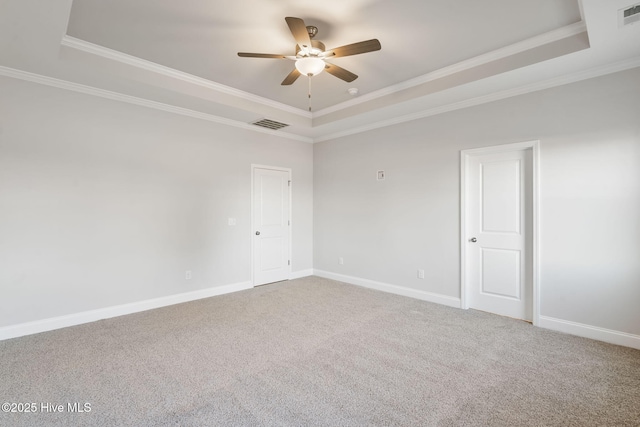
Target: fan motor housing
316, 44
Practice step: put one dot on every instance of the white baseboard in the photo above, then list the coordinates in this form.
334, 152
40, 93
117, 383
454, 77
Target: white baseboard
50, 324
28, 328
593, 332
393, 289
300, 274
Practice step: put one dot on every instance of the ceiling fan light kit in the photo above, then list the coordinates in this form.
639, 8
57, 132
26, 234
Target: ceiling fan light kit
311, 55
310, 65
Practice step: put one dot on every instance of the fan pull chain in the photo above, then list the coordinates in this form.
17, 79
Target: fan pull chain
310, 75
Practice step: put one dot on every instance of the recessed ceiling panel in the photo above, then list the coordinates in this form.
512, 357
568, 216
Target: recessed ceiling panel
203, 37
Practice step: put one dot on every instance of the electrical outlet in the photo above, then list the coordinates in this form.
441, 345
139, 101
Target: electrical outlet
341, 261
187, 275
420, 274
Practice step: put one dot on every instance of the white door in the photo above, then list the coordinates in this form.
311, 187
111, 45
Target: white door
271, 226
499, 197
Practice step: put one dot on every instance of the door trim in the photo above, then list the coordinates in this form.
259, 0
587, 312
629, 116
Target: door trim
535, 217
275, 168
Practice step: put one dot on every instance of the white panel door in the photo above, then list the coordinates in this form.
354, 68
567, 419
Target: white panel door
499, 233
271, 226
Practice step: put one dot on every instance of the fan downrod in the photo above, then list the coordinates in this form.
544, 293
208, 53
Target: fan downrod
312, 30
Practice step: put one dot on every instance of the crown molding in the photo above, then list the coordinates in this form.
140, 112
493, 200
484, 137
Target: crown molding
114, 55
533, 87
115, 96
531, 43
496, 96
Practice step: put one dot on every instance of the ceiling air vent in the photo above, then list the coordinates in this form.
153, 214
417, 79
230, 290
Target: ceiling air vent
270, 124
629, 15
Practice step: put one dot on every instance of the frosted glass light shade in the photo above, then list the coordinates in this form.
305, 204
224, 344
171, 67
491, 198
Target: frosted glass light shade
313, 66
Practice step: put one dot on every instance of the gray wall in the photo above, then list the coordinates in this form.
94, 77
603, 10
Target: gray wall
104, 203
589, 195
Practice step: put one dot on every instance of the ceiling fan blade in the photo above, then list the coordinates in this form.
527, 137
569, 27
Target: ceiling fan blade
354, 49
299, 31
291, 77
340, 72
260, 55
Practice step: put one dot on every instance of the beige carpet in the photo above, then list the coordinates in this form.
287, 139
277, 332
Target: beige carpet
317, 352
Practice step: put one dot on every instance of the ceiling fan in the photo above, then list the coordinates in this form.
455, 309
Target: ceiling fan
311, 55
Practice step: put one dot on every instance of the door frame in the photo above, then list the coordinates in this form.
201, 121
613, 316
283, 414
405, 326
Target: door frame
465, 155
280, 169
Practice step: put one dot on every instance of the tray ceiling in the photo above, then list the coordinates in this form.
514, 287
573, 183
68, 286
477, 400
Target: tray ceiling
436, 56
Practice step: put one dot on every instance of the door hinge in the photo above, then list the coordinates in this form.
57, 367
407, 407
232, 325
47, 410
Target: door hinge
288, 222
289, 183
289, 262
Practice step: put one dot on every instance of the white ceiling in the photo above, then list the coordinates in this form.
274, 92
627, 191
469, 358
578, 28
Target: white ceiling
436, 55
203, 37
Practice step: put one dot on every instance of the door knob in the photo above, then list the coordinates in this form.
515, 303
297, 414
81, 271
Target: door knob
473, 240
257, 233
